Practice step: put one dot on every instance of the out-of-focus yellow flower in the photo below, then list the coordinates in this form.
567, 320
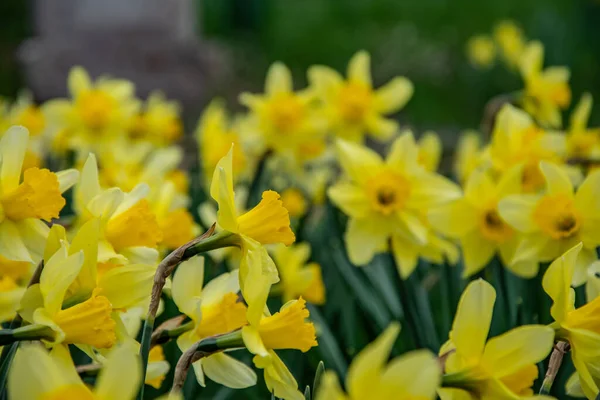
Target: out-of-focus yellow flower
517, 140
97, 110
214, 310
215, 134
430, 151
387, 199
583, 142
547, 91
297, 277
267, 223
353, 107
286, 329
414, 375
294, 201
285, 120
57, 378
503, 367
10, 297
581, 326
157, 368
511, 42
481, 51
474, 220
158, 122
129, 228
25, 203
468, 155
26, 113
554, 222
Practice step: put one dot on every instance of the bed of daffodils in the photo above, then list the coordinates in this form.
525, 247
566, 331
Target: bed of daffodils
311, 222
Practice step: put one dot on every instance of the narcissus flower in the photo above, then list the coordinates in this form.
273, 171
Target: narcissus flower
10, 297
215, 134
297, 277
503, 367
129, 230
56, 377
557, 220
158, 122
581, 326
286, 329
175, 221
583, 142
387, 199
97, 110
511, 42
267, 223
474, 220
547, 91
481, 51
215, 309
352, 106
294, 201
517, 140
286, 120
25, 203
414, 375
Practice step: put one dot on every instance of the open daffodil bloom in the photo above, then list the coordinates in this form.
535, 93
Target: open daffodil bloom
415, 375
581, 326
501, 368
388, 199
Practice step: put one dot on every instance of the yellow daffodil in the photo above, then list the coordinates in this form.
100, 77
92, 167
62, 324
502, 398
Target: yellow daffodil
158, 122
56, 378
294, 201
430, 151
25, 203
583, 142
297, 277
285, 119
215, 134
96, 111
353, 107
475, 221
129, 230
10, 296
511, 42
581, 326
215, 309
468, 155
502, 368
557, 220
175, 221
387, 199
547, 91
158, 367
481, 51
517, 140
414, 375
286, 329
267, 223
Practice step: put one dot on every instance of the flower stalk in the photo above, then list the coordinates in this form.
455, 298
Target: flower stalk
554, 364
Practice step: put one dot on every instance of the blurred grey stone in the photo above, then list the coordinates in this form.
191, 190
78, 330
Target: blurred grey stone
151, 42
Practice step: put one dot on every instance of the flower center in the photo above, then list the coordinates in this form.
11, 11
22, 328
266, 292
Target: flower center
494, 228
38, 196
135, 227
137, 127
532, 178
226, 316
33, 119
268, 222
388, 192
286, 112
89, 322
72, 391
288, 328
557, 217
95, 108
354, 101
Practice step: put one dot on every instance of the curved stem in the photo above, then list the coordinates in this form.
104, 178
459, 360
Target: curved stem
556, 358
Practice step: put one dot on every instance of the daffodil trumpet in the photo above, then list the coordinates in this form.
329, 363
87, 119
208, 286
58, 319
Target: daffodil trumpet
204, 348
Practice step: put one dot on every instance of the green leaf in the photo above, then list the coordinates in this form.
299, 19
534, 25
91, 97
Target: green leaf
380, 276
307, 393
318, 377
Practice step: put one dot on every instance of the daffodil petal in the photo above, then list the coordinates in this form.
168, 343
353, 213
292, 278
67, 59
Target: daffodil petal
393, 95
228, 371
13, 146
187, 284
121, 375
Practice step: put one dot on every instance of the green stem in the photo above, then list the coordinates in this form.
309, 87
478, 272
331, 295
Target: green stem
165, 335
